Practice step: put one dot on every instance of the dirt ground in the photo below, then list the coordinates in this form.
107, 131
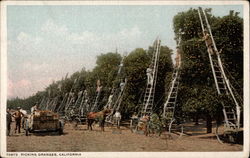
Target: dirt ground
112, 139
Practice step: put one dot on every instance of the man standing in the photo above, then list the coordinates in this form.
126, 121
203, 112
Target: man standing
9, 120
18, 117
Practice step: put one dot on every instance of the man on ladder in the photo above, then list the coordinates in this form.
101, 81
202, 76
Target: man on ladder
207, 38
178, 58
209, 42
150, 75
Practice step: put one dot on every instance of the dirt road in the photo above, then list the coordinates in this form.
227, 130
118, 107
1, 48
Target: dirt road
82, 140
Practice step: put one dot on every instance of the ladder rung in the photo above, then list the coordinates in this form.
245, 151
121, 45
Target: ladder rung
223, 88
170, 107
219, 77
220, 82
171, 102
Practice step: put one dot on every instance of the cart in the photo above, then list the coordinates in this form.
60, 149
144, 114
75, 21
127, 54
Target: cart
43, 121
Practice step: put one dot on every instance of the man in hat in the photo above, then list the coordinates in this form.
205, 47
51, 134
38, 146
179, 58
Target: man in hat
18, 117
9, 120
149, 72
209, 41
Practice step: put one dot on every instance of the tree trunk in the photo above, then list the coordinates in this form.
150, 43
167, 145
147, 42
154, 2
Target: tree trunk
196, 119
209, 123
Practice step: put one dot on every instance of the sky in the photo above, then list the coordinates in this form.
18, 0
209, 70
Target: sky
47, 42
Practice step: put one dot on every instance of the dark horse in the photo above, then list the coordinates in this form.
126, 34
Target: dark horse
97, 116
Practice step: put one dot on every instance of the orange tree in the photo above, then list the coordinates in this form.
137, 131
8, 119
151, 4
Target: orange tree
197, 93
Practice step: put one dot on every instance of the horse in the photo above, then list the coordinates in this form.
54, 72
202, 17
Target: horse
97, 116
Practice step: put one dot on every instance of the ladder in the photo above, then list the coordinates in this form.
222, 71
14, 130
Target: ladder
117, 94
231, 112
118, 102
47, 104
148, 101
95, 103
54, 104
42, 104
63, 104
170, 104
117, 91
69, 101
77, 103
84, 106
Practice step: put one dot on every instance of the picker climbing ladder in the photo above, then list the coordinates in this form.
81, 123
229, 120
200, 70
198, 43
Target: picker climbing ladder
150, 90
116, 98
141, 119
231, 112
94, 107
170, 104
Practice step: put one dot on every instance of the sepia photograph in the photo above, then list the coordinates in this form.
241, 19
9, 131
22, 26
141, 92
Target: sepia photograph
124, 79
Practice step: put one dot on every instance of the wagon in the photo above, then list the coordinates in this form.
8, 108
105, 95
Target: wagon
43, 121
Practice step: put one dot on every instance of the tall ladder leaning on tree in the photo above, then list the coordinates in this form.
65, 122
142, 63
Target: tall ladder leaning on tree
95, 104
70, 99
231, 112
60, 109
148, 101
170, 105
118, 91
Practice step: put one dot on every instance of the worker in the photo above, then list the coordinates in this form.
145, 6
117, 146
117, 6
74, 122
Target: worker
177, 58
9, 120
110, 100
120, 68
25, 116
209, 42
18, 117
117, 118
122, 84
34, 108
150, 75
98, 84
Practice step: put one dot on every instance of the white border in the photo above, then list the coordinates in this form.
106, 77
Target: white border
3, 78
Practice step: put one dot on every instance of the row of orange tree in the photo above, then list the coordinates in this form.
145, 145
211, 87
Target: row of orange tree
197, 94
107, 65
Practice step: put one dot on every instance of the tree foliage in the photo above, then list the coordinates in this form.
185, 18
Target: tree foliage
197, 93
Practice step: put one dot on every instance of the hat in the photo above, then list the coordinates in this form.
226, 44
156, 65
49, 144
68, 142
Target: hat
18, 107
